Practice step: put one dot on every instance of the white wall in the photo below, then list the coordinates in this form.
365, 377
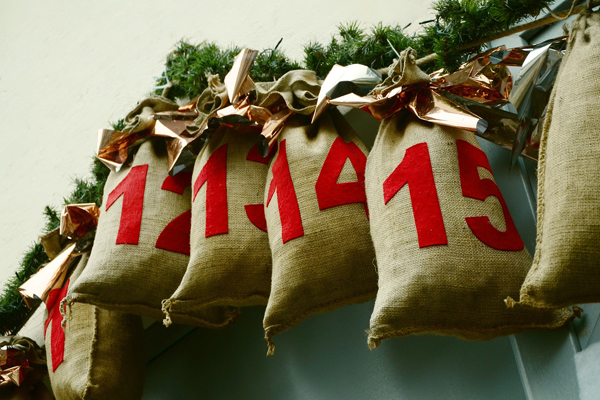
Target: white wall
69, 67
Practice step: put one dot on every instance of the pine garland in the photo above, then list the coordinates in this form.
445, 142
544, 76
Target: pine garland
457, 24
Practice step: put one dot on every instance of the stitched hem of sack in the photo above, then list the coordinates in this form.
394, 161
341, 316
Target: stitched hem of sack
92, 356
531, 301
153, 312
541, 173
181, 309
374, 340
254, 299
273, 330
231, 314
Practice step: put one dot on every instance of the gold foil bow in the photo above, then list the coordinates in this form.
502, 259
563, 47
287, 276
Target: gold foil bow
14, 375
480, 96
514, 121
21, 359
156, 117
78, 219
406, 87
78, 223
355, 78
238, 81
531, 93
241, 114
51, 276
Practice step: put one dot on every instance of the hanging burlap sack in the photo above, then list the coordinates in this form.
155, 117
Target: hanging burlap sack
566, 265
94, 353
142, 248
230, 261
448, 252
317, 224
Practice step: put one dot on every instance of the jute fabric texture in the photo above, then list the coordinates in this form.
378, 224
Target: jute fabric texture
142, 116
141, 249
103, 353
425, 285
297, 90
230, 261
322, 251
566, 265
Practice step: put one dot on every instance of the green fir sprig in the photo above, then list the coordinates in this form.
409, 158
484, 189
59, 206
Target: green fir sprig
458, 24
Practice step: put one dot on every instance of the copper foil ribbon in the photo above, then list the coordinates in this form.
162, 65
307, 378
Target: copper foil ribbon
114, 147
78, 219
21, 359
480, 96
77, 222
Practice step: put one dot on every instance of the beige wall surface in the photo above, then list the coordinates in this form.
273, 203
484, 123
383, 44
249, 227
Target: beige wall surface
69, 67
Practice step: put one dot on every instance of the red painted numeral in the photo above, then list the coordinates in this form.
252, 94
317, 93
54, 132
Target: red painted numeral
469, 158
176, 235
254, 155
333, 194
287, 202
256, 212
177, 183
214, 174
57, 338
415, 170
132, 188
256, 215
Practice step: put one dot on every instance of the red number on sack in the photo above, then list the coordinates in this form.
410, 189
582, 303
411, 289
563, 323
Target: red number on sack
256, 212
287, 202
57, 338
176, 235
254, 155
469, 158
132, 188
214, 174
177, 183
415, 170
333, 194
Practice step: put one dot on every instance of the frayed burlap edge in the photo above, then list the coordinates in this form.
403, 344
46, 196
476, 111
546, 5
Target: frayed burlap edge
181, 309
273, 330
142, 309
467, 333
89, 380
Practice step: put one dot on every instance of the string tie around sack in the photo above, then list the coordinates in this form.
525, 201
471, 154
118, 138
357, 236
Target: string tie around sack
166, 309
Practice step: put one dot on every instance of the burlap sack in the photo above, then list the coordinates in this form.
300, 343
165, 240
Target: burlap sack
230, 261
141, 248
103, 354
317, 224
447, 249
566, 265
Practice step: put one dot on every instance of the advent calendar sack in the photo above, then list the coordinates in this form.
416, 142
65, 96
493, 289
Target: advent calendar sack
317, 224
448, 252
230, 261
99, 354
566, 265
142, 248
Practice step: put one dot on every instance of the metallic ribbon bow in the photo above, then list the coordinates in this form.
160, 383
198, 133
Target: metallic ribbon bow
178, 128
19, 357
78, 223
114, 146
480, 96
